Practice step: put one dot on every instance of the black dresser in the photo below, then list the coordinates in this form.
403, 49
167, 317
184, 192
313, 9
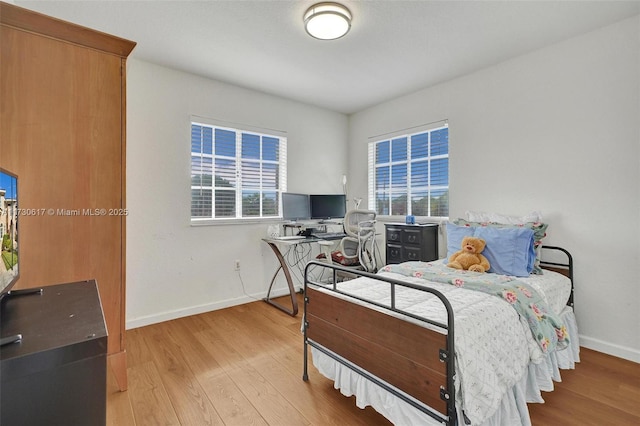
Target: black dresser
57, 374
411, 242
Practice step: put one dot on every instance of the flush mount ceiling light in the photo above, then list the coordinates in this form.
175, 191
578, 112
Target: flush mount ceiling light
327, 21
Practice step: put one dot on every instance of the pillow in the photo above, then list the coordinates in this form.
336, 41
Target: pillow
455, 234
474, 216
539, 232
510, 251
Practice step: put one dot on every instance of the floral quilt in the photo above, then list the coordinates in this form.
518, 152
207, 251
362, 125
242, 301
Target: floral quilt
546, 328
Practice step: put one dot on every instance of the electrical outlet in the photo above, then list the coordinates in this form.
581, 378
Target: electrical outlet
237, 264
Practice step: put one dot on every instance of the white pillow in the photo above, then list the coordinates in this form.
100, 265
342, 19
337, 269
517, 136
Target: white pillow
475, 216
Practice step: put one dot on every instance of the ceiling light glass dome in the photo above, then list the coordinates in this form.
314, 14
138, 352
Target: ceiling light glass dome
327, 21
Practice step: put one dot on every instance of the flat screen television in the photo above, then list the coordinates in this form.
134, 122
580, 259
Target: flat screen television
9, 271
295, 206
328, 206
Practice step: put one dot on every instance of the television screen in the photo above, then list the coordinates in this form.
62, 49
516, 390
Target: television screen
8, 231
328, 206
295, 206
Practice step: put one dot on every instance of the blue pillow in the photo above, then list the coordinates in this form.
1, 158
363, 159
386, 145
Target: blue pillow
455, 234
510, 251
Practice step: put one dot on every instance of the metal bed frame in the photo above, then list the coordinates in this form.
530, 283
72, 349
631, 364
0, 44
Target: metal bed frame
331, 326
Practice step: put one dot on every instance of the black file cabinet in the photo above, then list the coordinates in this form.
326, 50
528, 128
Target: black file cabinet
411, 242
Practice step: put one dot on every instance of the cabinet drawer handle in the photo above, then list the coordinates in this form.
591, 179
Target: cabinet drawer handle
412, 238
411, 256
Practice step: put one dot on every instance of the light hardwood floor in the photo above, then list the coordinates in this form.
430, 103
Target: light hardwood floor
243, 366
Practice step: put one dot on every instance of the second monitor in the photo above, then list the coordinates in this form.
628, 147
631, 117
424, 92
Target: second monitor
328, 206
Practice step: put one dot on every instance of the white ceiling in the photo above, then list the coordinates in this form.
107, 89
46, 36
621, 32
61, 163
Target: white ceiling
393, 48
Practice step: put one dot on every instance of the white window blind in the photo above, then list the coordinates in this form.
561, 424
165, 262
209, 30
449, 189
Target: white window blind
236, 173
409, 172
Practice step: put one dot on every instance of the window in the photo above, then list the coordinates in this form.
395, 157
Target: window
409, 173
236, 174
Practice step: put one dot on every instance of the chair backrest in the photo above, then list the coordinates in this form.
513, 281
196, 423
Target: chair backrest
359, 223
360, 227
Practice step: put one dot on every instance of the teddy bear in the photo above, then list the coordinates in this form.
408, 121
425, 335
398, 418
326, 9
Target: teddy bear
469, 258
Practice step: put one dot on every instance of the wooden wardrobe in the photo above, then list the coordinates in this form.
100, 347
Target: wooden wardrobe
62, 131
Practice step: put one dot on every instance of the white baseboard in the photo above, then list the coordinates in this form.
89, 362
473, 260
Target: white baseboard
195, 310
610, 348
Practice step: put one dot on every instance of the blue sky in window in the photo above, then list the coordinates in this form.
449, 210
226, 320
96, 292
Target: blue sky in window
440, 142
250, 146
399, 149
225, 143
8, 183
382, 177
396, 149
399, 176
419, 174
440, 171
382, 152
420, 145
270, 148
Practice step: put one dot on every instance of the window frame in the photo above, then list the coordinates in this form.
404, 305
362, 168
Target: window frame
407, 189
280, 177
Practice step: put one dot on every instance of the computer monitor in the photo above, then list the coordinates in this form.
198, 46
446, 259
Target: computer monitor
295, 206
9, 217
328, 206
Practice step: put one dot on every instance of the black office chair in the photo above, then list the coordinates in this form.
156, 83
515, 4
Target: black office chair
357, 248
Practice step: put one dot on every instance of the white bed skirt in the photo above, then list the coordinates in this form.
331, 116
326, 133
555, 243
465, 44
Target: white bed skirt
513, 409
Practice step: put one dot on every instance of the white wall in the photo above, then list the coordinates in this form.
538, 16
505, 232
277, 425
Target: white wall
556, 130
174, 269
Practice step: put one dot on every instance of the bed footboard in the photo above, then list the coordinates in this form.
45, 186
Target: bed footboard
391, 351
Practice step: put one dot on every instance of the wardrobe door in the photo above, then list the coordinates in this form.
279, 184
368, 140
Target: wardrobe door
62, 132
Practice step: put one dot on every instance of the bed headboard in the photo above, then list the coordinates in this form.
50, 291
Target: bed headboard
563, 266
